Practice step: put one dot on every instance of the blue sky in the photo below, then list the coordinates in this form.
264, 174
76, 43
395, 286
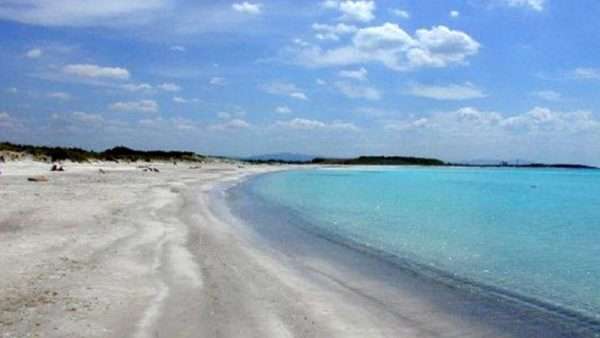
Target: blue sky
458, 80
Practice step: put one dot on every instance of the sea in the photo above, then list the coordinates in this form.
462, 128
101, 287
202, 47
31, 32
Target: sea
530, 236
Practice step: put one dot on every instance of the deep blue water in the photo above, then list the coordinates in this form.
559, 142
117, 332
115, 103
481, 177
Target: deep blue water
533, 233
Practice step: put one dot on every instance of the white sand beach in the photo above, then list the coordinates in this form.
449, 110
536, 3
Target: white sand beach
128, 253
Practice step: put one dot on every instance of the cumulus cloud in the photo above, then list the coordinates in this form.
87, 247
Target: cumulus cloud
536, 5
456, 92
401, 13
137, 87
406, 125
78, 13
60, 96
176, 123
177, 48
217, 81
331, 32
306, 124
470, 120
358, 91
86, 118
247, 8
542, 119
142, 106
34, 53
360, 10
169, 87
96, 72
393, 47
454, 14
283, 110
585, 73
358, 74
179, 99
285, 89
234, 124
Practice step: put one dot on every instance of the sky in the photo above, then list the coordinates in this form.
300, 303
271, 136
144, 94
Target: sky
456, 80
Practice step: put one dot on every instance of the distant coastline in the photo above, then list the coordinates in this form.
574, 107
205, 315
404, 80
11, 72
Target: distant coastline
420, 161
122, 153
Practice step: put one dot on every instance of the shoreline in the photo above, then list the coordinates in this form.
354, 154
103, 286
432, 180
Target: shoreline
535, 318
130, 253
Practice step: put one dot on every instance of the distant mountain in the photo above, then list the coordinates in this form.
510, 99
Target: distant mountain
283, 157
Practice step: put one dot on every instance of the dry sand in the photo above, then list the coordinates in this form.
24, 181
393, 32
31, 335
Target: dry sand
137, 254
105, 255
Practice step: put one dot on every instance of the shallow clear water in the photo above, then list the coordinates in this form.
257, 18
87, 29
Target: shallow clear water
532, 232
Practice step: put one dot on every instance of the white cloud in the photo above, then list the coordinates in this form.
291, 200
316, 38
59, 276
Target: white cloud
541, 119
584, 73
300, 42
227, 115
169, 87
182, 100
321, 82
358, 74
285, 89
133, 87
457, 92
94, 71
34, 53
142, 106
299, 96
176, 123
234, 124
548, 95
86, 118
60, 96
306, 124
247, 8
441, 46
217, 81
299, 123
177, 48
469, 121
536, 5
331, 32
358, 92
454, 14
407, 125
283, 110
393, 47
401, 13
359, 10
79, 13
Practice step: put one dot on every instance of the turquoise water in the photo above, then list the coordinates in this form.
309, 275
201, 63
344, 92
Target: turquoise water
534, 233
